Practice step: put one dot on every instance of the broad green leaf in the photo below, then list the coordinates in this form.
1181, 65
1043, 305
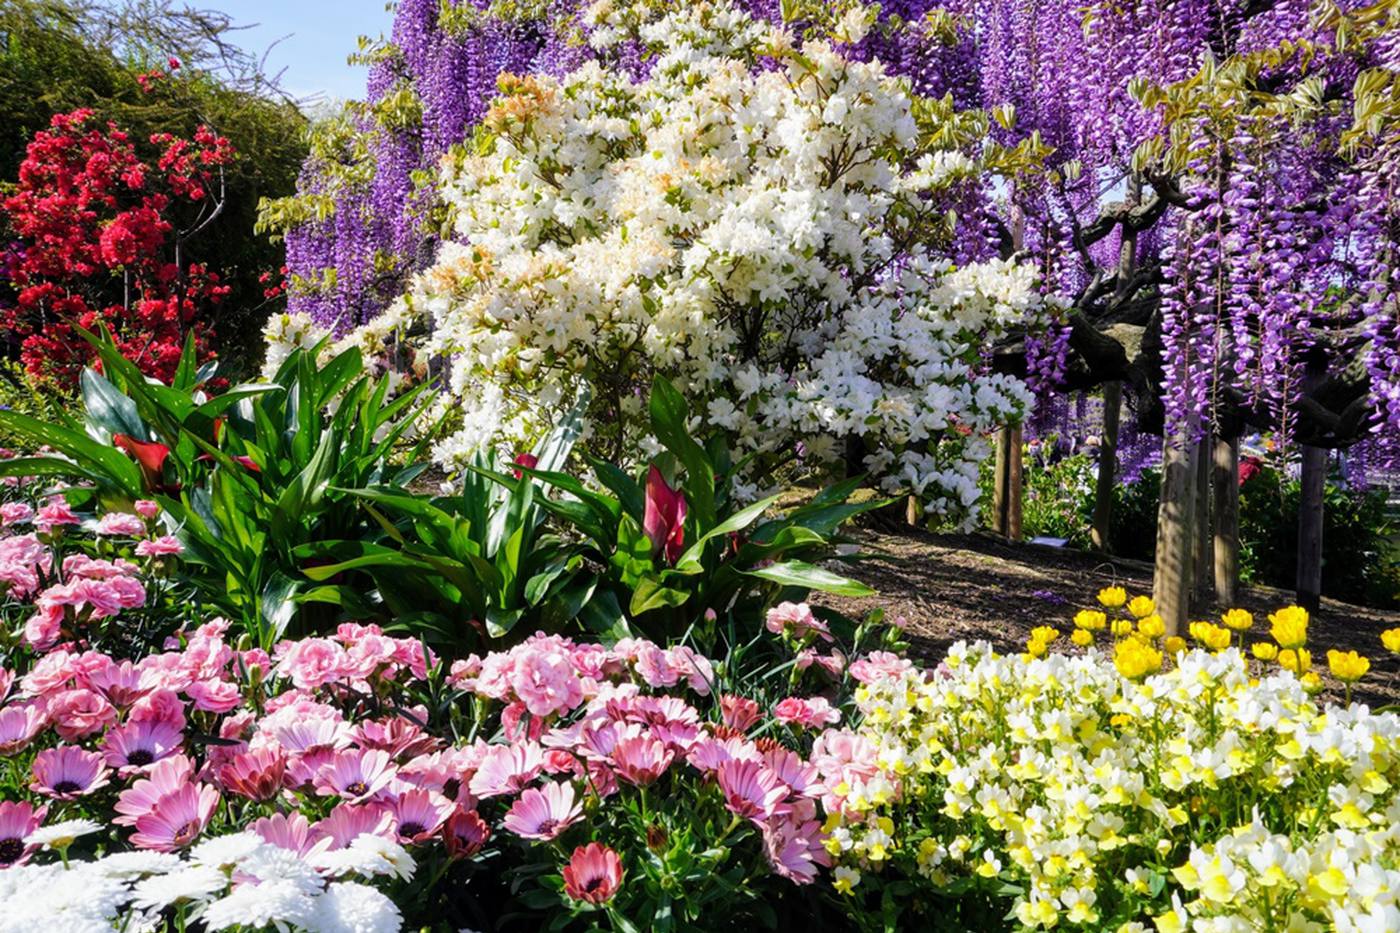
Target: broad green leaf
800, 573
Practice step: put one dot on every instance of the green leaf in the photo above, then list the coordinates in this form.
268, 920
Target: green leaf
736, 522
800, 573
649, 594
109, 409
669, 414
97, 459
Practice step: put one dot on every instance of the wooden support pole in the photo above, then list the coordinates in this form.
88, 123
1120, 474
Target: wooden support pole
1202, 541
1006, 492
1176, 510
1108, 466
1225, 491
1310, 515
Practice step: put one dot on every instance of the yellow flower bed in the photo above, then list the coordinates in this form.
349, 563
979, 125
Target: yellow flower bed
1106, 791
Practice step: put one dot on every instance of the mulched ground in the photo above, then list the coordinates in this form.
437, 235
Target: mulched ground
968, 587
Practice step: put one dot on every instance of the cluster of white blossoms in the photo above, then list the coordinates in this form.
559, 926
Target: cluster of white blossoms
1201, 798
226, 882
756, 220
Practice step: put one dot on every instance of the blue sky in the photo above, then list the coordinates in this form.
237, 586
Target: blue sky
319, 35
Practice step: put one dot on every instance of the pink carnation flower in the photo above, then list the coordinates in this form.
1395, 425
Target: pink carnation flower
79, 713
160, 547
146, 508
214, 696
797, 620
54, 514
12, 513
808, 713
121, 524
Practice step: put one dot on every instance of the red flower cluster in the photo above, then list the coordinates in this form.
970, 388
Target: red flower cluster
94, 221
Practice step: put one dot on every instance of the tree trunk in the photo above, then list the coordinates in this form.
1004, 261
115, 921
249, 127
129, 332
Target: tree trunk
1310, 528
1108, 465
1172, 574
1006, 493
1202, 551
1225, 488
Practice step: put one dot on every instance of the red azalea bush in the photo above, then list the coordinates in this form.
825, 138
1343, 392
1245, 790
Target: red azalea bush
99, 228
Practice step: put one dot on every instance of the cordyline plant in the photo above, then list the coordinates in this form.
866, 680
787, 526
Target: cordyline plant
620, 556
244, 478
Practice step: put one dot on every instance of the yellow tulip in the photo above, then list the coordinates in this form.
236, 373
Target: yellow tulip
1142, 606
1290, 627
1347, 666
1112, 597
1237, 620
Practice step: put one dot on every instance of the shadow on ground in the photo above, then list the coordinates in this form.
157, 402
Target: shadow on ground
969, 587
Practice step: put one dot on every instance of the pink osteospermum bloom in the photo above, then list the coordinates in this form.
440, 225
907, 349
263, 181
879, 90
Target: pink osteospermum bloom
355, 774
641, 760
419, 814
807, 713
543, 812
18, 726
120, 682
794, 844
738, 712
255, 775
177, 819
138, 745
17, 821
348, 822
67, 772
289, 831
593, 875
465, 833
164, 778
164, 546
506, 769
750, 789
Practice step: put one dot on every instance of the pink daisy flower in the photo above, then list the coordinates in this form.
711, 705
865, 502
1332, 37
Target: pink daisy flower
739, 712
543, 813
119, 683
420, 814
793, 843
137, 745
465, 833
355, 774
67, 772
289, 831
256, 775
593, 875
164, 778
17, 820
348, 822
177, 819
641, 760
18, 726
506, 769
750, 789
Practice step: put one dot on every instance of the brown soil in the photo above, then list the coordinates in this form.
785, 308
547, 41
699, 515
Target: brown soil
968, 587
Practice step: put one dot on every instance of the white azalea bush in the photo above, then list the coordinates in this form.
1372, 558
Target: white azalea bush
237, 881
1206, 797
760, 221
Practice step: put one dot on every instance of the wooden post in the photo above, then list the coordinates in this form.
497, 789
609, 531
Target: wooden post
1202, 542
1006, 493
1310, 517
1172, 574
1225, 489
1108, 466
